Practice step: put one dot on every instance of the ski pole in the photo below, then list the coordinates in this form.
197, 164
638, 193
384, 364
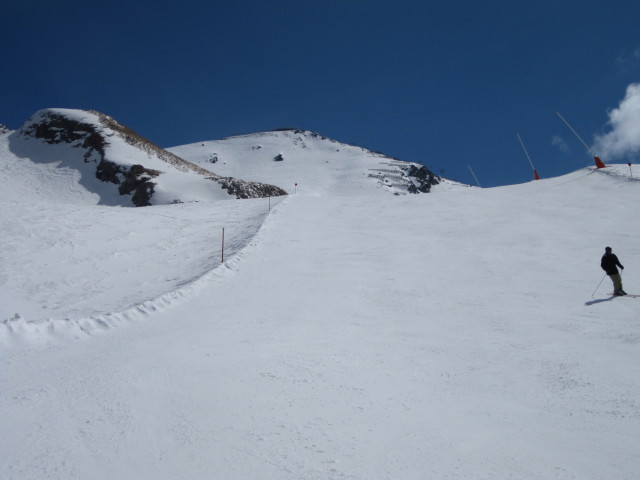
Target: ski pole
594, 292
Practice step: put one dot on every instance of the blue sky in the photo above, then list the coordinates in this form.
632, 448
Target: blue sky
444, 83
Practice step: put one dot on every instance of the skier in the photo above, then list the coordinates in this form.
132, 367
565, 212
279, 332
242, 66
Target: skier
608, 263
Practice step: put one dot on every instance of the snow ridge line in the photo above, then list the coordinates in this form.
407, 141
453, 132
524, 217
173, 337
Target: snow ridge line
623, 175
584, 172
19, 330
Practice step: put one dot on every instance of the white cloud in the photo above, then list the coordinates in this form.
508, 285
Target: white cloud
628, 58
623, 141
558, 141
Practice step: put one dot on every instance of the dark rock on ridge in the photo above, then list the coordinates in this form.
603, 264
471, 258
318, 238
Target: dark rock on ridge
242, 189
422, 179
135, 181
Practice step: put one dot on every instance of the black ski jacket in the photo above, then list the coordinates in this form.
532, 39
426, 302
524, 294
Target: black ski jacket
609, 262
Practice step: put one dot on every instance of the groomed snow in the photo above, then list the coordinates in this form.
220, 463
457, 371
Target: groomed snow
351, 333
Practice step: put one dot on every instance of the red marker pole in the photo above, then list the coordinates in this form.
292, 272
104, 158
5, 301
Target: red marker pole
630, 171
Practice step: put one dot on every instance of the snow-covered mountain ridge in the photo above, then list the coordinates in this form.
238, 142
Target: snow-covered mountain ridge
295, 158
116, 166
119, 165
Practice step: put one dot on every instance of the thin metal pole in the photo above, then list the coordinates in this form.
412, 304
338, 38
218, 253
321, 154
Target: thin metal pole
594, 292
474, 175
222, 244
576, 134
526, 153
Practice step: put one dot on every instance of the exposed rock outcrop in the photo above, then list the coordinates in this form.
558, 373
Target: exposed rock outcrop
421, 179
410, 177
242, 189
134, 181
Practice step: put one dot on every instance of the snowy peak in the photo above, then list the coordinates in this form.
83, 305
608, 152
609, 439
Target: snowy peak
291, 157
125, 168
90, 130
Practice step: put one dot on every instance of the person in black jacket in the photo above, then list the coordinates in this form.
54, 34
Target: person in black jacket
609, 263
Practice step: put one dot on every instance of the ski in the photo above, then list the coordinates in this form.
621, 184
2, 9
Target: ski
632, 295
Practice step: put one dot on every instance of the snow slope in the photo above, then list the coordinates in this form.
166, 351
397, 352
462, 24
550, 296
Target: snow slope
352, 334
299, 159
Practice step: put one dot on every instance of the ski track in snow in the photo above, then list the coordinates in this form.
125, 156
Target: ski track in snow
349, 336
